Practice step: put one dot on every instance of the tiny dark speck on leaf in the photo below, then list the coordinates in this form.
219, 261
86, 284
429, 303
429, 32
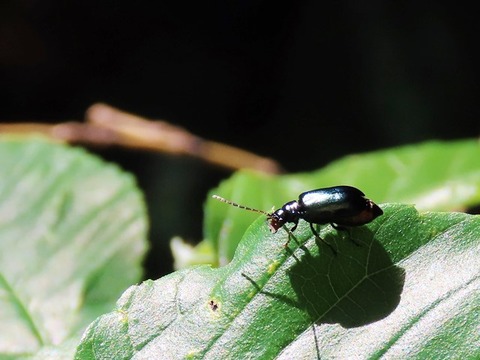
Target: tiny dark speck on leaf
213, 305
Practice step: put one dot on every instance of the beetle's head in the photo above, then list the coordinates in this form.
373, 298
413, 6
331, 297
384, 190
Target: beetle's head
276, 220
287, 213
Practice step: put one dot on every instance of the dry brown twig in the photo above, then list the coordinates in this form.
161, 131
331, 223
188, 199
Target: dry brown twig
108, 126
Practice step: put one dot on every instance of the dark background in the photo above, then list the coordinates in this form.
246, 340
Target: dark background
303, 82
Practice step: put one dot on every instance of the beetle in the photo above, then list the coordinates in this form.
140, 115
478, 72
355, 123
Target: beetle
340, 206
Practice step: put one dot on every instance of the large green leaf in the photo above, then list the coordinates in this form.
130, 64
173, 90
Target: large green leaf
72, 236
406, 287
434, 176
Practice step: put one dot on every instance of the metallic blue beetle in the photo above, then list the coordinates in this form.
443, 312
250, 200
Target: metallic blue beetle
339, 206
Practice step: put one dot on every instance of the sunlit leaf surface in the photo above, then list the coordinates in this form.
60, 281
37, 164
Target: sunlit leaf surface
404, 286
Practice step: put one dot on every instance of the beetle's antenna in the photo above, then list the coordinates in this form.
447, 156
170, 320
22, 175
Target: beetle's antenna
219, 198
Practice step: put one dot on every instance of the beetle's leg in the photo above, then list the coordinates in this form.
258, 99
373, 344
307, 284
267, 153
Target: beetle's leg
290, 234
314, 231
347, 229
322, 240
290, 237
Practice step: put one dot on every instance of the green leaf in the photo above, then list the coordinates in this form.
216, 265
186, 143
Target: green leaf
72, 236
406, 287
438, 176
